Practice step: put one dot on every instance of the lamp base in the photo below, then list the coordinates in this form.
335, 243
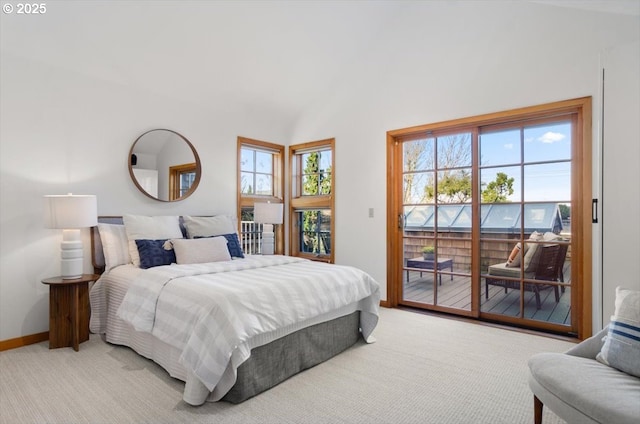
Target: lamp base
71, 255
268, 245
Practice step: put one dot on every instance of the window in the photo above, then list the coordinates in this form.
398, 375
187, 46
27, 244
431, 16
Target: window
312, 202
181, 178
260, 179
256, 171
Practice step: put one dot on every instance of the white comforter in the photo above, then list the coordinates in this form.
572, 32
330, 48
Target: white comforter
210, 311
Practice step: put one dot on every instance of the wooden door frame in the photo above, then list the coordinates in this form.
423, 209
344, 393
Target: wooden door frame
581, 213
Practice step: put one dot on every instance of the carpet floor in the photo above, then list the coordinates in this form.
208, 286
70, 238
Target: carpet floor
422, 369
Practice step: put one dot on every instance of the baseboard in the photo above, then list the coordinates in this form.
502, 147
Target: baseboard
23, 341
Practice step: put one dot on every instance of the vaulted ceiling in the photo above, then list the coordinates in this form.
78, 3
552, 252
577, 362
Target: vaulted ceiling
275, 56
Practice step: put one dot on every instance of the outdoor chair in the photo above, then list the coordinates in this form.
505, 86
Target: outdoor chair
562, 255
548, 262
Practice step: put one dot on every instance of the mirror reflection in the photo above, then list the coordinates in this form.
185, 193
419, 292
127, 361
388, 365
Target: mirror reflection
164, 165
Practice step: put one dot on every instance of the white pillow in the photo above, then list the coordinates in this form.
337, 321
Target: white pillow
140, 227
115, 245
621, 349
202, 250
207, 226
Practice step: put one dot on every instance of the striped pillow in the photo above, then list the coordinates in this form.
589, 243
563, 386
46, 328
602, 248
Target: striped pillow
115, 245
621, 348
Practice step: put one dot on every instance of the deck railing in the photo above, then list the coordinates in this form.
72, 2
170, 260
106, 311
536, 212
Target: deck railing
251, 237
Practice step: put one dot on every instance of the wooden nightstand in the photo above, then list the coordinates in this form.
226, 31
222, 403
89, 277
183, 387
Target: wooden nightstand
69, 310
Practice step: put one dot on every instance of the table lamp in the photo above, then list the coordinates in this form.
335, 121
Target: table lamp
267, 214
71, 213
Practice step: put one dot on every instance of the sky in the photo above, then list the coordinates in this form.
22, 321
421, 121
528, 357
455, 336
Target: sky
542, 181
544, 152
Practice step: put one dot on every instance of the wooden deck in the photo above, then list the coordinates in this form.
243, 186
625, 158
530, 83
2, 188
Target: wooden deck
456, 293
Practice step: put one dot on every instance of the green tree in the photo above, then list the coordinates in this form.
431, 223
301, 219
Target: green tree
453, 187
565, 211
316, 181
499, 190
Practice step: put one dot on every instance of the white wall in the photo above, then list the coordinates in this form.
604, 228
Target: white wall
620, 159
437, 62
64, 132
65, 129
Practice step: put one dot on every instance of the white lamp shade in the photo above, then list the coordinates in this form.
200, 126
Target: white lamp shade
267, 213
70, 211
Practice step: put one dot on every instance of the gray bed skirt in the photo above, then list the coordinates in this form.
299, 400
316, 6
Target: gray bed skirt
275, 362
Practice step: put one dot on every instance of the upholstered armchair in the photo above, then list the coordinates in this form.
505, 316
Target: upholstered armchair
598, 380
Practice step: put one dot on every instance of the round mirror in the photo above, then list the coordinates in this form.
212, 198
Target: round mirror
164, 165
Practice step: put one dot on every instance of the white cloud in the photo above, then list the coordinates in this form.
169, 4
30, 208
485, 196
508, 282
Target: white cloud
551, 137
508, 146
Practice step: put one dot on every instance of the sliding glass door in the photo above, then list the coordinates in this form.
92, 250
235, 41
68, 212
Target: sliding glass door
437, 215
489, 217
525, 221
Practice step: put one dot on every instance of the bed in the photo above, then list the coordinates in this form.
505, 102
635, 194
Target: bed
231, 327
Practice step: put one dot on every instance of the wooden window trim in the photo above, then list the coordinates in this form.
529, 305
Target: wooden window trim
247, 201
298, 202
174, 179
581, 204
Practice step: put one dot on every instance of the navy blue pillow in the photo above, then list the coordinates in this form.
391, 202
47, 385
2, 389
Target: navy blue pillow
233, 244
152, 253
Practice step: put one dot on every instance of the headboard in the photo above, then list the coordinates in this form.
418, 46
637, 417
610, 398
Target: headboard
97, 255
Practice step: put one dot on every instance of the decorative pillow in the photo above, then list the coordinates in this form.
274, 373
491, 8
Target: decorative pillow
621, 349
140, 227
233, 244
515, 257
202, 250
115, 245
530, 261
152, 253
208, 226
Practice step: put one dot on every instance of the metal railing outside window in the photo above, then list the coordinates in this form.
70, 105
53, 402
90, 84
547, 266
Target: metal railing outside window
251, 237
